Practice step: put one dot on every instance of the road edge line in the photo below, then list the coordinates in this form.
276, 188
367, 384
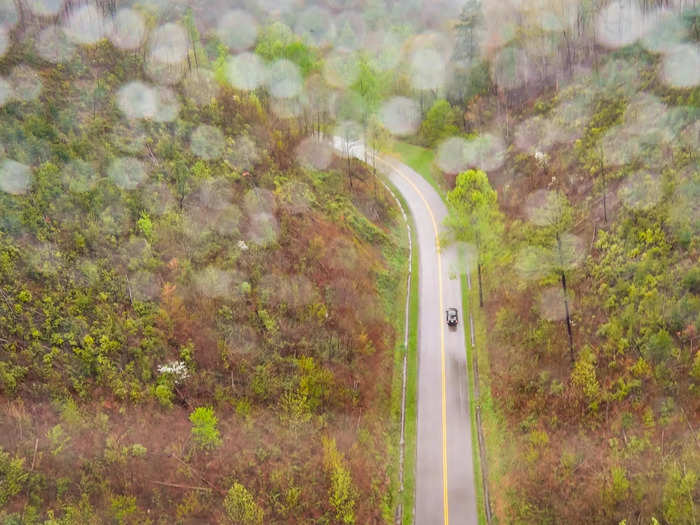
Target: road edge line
445, 500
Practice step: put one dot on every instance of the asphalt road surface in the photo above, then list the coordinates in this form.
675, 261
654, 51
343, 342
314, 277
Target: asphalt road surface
445, 490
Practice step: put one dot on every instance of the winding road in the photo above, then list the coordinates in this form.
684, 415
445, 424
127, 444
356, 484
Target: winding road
445, 488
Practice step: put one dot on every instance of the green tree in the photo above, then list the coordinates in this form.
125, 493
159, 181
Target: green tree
475, 218
193, 37
618, 486
241, 508
277, 41
204, 428
123, 507
164, 394
554, 251
584, 376
377, 140
467, 32
368, 86
349, 132
439, 123
13, 477
470, 74
679, 503
145, 225
342, 492
58, 438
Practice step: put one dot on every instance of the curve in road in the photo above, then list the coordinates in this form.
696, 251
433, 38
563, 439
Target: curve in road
445, 488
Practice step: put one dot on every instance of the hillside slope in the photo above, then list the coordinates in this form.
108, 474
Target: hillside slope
597, 188
195, 323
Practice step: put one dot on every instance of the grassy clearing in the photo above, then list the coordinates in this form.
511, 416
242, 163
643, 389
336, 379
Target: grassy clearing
421, 160
469, 298
401, 267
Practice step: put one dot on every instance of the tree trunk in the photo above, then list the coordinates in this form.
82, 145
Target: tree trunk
566, 299
481, 293
568, 319
374, 169
605, 186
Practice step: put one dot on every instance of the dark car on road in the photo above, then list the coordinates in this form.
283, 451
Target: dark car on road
451, 315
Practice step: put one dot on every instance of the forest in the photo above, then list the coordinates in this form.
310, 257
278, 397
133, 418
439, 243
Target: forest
201, 304
581, 209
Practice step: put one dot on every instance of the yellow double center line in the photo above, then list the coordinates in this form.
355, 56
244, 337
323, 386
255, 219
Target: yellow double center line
442, 339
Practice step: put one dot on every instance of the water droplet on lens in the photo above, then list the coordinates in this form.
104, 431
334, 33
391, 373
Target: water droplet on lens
340, 69
54, 45
8, 14
314, 153
283, 79
243, 155
168, 44
681, 66
237, 29
620, 24
85, 25
127, 29
26, 83
286, 108
213, 282
4, 41
640, 191
201, 87
45, 7
207, 142
312, 24
245, 71
168, 105
668, 30
6, 93
127, 172
451, 155
80, 176
137, 100
15, 178
551, 304
427, 69
401, 116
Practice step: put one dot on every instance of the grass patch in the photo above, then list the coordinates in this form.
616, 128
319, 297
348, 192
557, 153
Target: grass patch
398, 263
421, 160
411, 386
469, 298
499, 448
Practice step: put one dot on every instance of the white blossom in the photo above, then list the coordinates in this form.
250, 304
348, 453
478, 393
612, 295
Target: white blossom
177, 368
541, 157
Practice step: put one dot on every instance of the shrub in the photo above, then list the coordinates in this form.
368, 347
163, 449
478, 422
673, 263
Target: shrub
12, 477
681, 483
241, 508
439, 123
164, 394
618, 486
342, 492
204, 431
584, 376
658, 347
123, 507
